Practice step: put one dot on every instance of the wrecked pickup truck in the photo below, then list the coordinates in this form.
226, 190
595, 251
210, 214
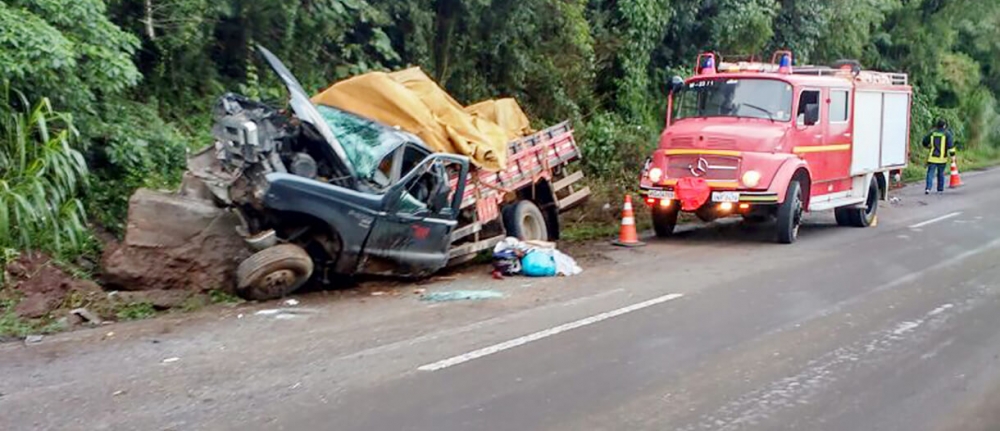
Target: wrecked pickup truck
322, 192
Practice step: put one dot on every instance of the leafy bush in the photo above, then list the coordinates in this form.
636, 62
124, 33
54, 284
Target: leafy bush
133, 147
614, 149
41, 176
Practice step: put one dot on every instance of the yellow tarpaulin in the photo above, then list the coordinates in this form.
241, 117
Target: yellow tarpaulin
506, 113
410, 100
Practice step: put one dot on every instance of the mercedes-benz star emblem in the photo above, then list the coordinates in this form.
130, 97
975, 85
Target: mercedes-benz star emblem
700, 168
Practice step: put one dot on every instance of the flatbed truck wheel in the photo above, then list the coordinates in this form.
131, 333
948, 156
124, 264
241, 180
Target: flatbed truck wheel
273, 272
790, 214
664, 220
523, 220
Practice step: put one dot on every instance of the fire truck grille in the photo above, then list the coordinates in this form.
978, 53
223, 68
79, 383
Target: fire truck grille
707, 167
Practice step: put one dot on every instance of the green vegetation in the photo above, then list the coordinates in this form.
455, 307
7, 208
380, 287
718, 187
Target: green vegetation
135, 311
139, 77
216, 296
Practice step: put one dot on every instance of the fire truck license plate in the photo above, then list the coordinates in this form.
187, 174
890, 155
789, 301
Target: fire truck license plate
661, 194
726, 197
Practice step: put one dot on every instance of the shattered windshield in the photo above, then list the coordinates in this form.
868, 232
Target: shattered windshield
365, 142
767, 99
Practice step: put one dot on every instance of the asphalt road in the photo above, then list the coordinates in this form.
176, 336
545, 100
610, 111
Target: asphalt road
896, 327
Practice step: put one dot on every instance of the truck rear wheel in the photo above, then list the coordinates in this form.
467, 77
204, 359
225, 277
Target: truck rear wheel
790, 214
273, 272
664, 221
524, 221
865, 216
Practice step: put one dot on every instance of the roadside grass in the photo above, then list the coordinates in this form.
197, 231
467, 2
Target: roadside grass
135, 311
971, 160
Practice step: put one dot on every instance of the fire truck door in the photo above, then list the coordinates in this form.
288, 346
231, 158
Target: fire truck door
838, 133
810, 132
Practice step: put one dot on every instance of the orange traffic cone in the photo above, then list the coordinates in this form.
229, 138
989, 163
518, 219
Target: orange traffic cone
956, 180
628, 236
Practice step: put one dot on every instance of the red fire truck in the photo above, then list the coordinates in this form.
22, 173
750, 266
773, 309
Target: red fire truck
769, 140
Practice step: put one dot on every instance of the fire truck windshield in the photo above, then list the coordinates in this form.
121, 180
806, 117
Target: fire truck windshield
766, 99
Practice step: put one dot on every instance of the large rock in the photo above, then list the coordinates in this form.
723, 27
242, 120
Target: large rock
175, 242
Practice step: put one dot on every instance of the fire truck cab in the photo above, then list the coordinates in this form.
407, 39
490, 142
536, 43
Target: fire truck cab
769, 140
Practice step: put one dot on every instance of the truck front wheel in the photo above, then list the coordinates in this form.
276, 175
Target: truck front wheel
664, 220
523, 220
273, 272
790, 214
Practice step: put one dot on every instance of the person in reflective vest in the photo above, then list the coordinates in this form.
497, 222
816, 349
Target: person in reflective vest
941, 143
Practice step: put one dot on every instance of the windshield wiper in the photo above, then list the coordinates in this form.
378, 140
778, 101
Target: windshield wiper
770, 115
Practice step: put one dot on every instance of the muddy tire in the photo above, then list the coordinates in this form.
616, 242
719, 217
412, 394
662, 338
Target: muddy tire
790, 214
664, 221
273, 272
524, 221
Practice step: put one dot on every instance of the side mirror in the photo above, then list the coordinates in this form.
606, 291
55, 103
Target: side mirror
676, 83
812, 114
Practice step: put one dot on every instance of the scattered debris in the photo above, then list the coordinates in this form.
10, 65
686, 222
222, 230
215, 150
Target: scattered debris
117, 393
419, 291
284, 313
461, 295
33, 339
895, 200
171, 360
379, 293
532, 258
291, 302
87, 316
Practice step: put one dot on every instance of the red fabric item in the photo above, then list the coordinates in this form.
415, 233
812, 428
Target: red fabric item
692, 192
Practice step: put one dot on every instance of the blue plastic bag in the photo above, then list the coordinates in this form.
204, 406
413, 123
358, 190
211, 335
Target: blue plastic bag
538, 264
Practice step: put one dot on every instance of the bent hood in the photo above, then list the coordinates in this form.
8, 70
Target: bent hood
304, 108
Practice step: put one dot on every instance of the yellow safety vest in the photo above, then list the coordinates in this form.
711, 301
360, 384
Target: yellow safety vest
939, 148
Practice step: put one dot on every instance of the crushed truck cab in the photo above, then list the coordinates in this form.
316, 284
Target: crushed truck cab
322, 191
773, 141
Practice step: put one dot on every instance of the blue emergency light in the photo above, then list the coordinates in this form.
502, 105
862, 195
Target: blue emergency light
708, 68
785, 66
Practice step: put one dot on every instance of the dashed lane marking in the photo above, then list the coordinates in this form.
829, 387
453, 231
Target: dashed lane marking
935, 220
520, 341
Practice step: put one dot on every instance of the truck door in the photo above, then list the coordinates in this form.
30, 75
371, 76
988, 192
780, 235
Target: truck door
810, 132
413, 235
838, 133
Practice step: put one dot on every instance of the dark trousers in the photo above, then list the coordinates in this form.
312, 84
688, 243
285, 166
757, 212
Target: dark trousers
940, 168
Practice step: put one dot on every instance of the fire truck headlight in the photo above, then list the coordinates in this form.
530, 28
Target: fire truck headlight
655, 175
751, 178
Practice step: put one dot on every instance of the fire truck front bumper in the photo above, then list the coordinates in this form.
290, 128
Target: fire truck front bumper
728, 197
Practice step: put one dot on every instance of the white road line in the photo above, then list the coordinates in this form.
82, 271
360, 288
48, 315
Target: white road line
520, 341
935, 220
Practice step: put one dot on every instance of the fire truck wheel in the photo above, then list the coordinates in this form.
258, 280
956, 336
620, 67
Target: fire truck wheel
664, 221
524, 221
273, 272
790, 214
864, 217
